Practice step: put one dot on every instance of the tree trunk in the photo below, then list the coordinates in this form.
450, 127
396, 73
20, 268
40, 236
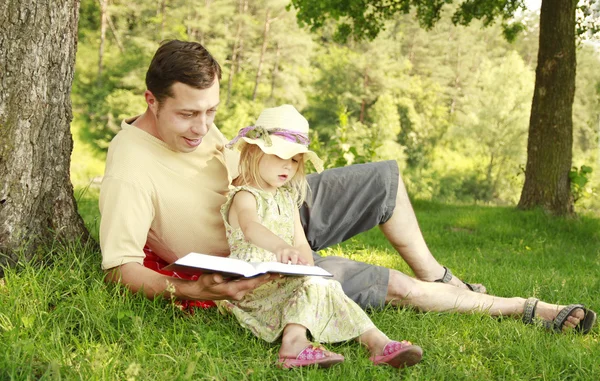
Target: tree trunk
363, 103
550, 144
38, 40
237, 48
103, 23
276, 72
233, 62
263, 51
115, 33
162, 10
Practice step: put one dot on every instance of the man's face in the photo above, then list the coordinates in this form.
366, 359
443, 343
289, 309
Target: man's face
183, 119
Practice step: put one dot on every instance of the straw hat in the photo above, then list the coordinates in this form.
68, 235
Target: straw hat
280, 131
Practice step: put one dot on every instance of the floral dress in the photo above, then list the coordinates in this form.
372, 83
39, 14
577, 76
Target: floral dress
316, 303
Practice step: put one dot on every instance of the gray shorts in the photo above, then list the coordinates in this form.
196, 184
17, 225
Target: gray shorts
343, 203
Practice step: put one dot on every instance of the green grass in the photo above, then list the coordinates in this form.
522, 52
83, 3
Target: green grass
60, 321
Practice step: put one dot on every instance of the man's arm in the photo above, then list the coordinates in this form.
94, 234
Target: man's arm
208, 287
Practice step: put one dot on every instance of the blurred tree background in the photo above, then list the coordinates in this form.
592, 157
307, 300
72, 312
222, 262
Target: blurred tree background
450, 104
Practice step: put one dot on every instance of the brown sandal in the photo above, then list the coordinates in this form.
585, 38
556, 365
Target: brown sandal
448, 277
584, 326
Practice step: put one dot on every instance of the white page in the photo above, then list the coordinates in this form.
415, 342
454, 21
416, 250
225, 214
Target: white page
210, 262
283, 268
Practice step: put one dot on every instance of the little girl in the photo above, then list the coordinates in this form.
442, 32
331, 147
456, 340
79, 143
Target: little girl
262, 221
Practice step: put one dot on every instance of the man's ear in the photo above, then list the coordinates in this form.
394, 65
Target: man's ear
151, 101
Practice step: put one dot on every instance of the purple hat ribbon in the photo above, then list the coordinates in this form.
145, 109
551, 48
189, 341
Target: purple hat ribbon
259, 132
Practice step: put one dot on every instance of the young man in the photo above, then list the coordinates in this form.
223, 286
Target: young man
167, 174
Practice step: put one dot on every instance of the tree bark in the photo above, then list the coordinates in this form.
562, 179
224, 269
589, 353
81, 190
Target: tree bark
38, 40
550, 144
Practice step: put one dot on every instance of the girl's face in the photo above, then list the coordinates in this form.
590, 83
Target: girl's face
275, 171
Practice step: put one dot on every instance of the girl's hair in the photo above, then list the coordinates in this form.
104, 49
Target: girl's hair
250, 157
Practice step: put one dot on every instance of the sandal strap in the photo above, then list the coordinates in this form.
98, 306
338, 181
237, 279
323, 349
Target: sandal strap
563, 315
312, 351
529, 310
447, 276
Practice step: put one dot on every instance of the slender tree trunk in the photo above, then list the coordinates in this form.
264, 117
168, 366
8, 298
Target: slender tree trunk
38, 40
263, 51
115, 33
103, 23
233, 62
162, 10
276, 71
455, 93
550, 144
363, 103
237, 48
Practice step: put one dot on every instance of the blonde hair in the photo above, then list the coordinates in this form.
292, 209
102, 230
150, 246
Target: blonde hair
250, 157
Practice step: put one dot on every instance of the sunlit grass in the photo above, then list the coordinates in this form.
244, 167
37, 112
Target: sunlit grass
61, 321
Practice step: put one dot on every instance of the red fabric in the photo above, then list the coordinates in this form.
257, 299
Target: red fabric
154, 262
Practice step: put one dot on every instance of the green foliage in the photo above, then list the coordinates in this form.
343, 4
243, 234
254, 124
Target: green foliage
579, 180
423, 119
344, 144
366, 18
416, 96
354, 142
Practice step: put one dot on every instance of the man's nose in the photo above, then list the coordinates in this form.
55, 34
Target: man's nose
199, 127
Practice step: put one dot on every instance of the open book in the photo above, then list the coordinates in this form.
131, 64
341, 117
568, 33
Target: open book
195, 263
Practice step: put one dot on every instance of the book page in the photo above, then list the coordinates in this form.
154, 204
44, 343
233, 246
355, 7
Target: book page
283, 268
218, 264
195, 263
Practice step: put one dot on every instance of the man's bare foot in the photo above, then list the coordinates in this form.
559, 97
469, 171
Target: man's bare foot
549, 312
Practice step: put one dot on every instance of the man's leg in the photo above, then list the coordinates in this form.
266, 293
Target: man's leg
346, 201
427, 296
403, 232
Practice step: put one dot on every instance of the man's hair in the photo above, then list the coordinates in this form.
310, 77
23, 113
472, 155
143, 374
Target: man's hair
249, 159
181, 61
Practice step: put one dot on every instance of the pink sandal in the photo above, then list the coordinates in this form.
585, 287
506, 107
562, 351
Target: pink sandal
399, 354
309, 356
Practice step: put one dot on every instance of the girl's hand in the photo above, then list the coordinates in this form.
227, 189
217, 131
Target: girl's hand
289, 255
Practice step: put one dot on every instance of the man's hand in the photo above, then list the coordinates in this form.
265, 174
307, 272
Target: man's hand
215, 287
208, 287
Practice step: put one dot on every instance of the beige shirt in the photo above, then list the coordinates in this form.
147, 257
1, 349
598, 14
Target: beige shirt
165, 199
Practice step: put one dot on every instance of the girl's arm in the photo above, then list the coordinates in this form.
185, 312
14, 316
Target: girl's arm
300, 241
243, 214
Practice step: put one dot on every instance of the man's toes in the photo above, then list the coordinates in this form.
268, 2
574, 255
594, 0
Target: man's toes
570, 323
576, 318
578, 313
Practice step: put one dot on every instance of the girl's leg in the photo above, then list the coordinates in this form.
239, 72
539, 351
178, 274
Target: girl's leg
374, 340
297, 351
294, 340
385, 351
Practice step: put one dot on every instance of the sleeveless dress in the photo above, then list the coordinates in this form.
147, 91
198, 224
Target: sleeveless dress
316, 303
